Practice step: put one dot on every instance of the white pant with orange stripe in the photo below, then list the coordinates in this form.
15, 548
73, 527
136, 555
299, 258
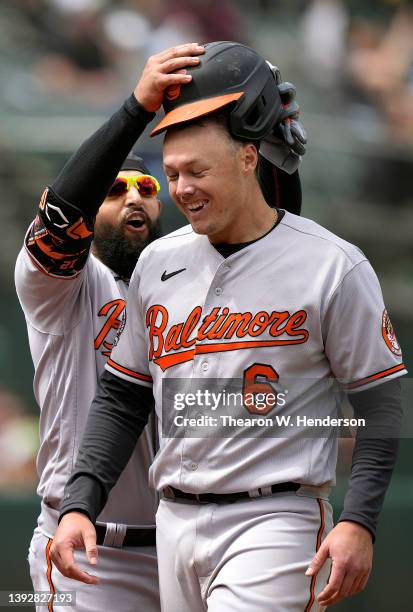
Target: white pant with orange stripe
128, 578
246, 556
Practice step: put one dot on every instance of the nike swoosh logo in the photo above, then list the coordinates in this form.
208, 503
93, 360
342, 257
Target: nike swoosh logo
165, 276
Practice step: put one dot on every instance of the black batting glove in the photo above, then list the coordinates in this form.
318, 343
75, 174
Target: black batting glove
285, 144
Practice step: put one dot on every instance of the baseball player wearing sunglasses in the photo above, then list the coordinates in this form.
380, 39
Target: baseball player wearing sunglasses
248, 293
72, 278
147, 186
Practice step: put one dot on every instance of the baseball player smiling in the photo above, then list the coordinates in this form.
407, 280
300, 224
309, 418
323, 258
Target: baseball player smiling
243, 292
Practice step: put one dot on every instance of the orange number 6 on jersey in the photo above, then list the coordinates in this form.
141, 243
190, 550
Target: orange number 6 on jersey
252, 388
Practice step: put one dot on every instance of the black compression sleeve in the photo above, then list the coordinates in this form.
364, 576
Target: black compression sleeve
87, 176
116, 419
374, 454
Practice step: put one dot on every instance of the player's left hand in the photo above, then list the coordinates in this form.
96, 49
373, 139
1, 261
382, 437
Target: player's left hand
350, 547
75, 531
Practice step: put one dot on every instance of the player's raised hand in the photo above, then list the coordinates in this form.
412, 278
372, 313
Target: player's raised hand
164, 70
75, 531
350, 547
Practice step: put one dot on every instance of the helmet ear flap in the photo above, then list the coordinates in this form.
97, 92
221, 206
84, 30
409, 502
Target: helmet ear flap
252, 118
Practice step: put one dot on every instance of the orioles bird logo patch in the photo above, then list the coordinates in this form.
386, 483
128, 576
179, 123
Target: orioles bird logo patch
388, 334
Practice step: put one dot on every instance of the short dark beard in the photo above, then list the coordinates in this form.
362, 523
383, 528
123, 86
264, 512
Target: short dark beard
119, 253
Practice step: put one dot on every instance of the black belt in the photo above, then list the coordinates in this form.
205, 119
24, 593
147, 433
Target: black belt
134, 536
226, 498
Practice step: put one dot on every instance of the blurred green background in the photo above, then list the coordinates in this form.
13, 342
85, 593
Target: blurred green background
65, 65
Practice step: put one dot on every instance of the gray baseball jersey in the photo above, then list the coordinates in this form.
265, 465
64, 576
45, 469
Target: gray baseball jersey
74, 306
298, 307
72, 323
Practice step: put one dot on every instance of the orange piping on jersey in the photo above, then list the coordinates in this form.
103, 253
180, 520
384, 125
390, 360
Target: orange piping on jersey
318, 544
49, 573
321, 530
167, 361
383, 374
131, 373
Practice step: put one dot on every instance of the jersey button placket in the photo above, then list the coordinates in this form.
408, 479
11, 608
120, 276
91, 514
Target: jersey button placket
209, 304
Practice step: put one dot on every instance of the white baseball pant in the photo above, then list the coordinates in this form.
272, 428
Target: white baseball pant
128, 578
244, 556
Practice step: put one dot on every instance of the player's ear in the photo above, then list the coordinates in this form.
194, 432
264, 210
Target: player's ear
249, 158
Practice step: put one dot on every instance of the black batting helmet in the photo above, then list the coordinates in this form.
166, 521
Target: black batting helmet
228, 73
